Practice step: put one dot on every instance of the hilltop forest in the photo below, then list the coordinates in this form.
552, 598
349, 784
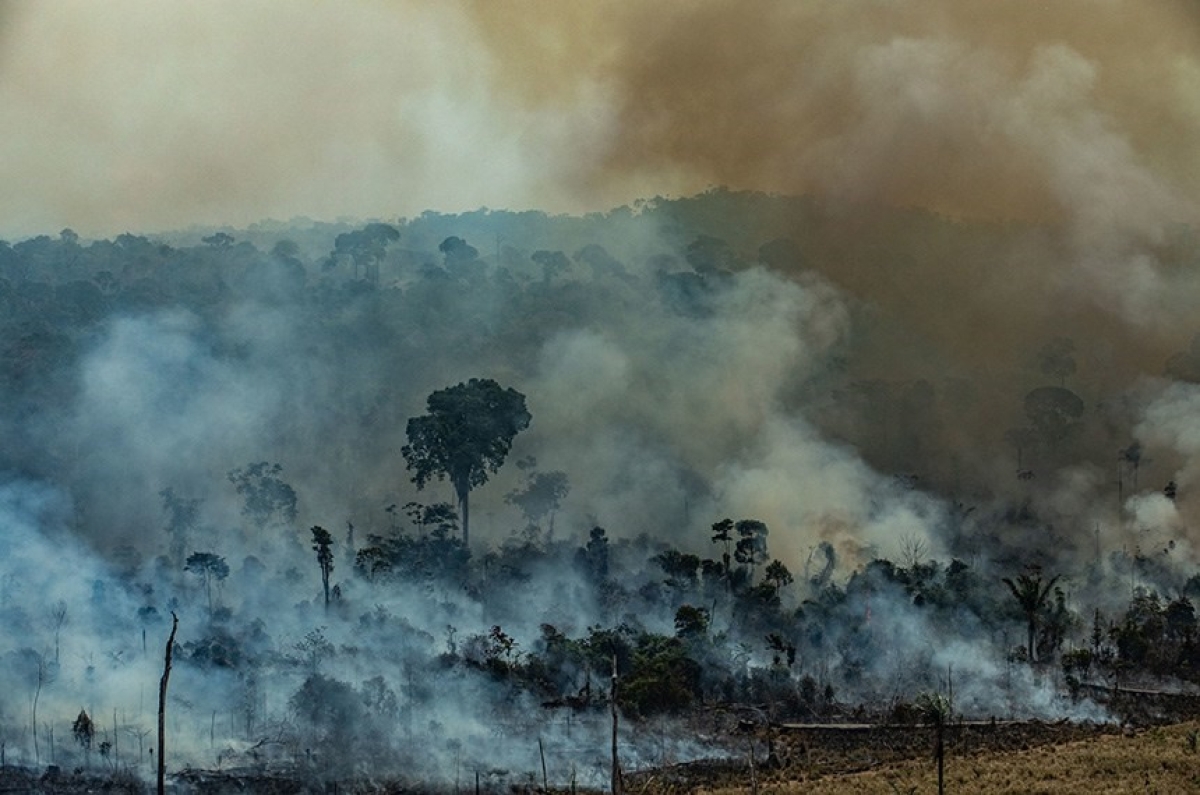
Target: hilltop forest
799, 461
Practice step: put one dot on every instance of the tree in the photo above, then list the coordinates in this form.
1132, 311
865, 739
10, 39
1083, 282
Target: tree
218, 240
778, 575
268, 499
553, 263
751, 547
455, 248
182, 517
1054, 413
365, 248
323, 546
330, 708
1057, 359
465, 436
1030, 593
682, 569
162, 705
84, 731
723, 534
208, 566
710, 256
1021, 439
594, 555
543, 495
58, 617
691, 622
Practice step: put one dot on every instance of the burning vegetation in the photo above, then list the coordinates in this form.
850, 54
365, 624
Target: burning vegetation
697, 486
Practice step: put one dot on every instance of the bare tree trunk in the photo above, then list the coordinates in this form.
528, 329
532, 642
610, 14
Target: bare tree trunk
545, 779
617, 788
41, 677
1032, 630
464, 505
162, 706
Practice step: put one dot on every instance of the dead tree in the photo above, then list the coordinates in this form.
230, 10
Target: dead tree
162, 706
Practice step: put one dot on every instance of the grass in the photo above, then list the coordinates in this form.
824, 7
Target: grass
1160, 760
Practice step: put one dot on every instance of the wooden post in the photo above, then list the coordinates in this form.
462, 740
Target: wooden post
162, 706
941, 753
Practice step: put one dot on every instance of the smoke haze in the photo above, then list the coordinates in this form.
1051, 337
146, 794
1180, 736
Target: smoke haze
941, 307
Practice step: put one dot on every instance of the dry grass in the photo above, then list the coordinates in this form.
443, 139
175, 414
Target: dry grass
1162, 760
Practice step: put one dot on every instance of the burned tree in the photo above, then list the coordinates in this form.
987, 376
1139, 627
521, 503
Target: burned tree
162, 706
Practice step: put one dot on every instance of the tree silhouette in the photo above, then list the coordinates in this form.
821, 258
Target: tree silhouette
365, 248
541, 497
1054, 413
751, 547
723, 534
1057, 359
778, 576
323, 546
465, 436
208, 566
268, 499
84, 731
1030, 593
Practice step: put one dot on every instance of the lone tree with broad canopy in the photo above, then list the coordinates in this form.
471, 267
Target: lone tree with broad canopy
465, 436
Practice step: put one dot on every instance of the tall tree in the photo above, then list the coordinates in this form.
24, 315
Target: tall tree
465, 436
162, 706
209, 567
751, 547
323, 546
269, 500
543, 495
723, 534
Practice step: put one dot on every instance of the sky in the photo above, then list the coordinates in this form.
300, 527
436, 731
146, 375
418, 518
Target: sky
142, 116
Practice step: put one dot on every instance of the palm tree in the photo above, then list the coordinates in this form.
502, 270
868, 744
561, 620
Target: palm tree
1031, 593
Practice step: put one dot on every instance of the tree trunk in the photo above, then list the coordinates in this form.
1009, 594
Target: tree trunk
162, 706
464, 507
1032, 645
617, 788
41, 675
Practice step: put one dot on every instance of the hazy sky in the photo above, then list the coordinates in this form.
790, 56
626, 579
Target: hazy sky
135, 115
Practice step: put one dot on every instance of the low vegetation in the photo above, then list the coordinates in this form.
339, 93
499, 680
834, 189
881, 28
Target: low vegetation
1157, 760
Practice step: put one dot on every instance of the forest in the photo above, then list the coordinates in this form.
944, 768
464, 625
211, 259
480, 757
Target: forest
424, 494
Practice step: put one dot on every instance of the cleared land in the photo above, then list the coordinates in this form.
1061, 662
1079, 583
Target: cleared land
1155, 760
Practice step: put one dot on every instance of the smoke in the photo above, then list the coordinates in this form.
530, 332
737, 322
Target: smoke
994, 200
1058, 135
1069, 117
1076, 118
142, 117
